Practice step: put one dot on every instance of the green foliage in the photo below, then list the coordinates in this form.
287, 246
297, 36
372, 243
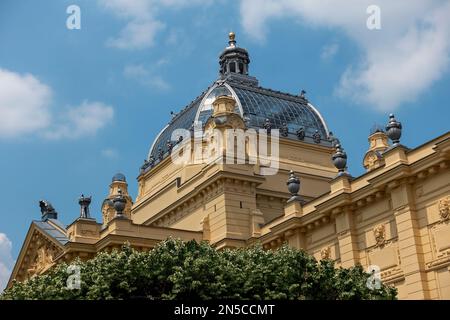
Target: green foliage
191, 270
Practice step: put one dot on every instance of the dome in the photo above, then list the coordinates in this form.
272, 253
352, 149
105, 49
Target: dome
255, 104
119, 177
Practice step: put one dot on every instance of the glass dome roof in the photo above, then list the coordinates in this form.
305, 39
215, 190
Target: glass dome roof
205, 110
255, 104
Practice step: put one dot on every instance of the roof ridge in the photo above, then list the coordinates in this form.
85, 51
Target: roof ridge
190, 104
276, 93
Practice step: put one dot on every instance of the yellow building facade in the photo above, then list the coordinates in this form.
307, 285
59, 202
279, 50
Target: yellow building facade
208, 177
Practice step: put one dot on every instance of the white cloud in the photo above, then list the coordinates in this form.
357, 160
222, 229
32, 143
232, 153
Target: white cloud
25, 109
400, 61
137, 34
141, 27
146, 77
329, 51
142, 22
83, 120
24, 104
6, 260
110, 153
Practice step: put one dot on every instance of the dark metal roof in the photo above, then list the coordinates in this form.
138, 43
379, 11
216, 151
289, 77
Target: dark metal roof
256, 104
119, 177
260, 104
52, 231
183, 120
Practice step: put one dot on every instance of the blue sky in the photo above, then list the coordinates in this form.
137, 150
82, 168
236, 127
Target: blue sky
77, 106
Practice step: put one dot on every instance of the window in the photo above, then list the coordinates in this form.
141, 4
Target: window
232, 67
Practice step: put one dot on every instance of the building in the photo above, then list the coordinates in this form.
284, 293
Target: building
396, 216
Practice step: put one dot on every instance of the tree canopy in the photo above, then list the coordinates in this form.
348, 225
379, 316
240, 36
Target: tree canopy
189, 270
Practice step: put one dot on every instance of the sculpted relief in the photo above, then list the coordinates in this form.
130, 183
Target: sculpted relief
40, 256
43, 259
444, 208
325, 253
379, 233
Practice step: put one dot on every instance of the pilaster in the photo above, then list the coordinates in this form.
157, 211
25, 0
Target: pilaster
348, 245
409, 242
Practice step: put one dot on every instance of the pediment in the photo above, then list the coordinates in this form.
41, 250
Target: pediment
39, 252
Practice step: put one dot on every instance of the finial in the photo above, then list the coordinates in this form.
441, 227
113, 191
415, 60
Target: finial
301, 133
232, 37
317, 137
293, 184
144, 166
268, 126
334, 140
302, 93
284, 130
119, 202
340, 159
394, 130
169, 146
84, 203
160, 154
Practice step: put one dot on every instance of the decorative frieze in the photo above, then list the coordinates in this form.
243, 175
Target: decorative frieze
392, 275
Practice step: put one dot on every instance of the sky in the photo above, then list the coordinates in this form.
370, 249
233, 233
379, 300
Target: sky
79, 105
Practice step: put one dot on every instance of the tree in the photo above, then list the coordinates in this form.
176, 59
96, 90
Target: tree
189, 270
